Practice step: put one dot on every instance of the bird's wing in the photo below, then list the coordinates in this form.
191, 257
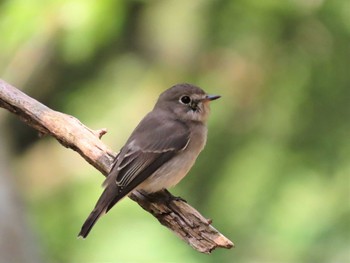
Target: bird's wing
155, 141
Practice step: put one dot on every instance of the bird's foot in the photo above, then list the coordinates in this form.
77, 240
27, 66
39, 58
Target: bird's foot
170, 198
162, 196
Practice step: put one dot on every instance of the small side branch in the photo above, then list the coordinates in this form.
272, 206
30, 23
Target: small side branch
172, 212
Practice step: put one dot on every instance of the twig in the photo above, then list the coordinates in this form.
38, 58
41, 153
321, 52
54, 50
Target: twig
172, 212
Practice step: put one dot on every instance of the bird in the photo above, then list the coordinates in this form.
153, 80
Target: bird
160, 151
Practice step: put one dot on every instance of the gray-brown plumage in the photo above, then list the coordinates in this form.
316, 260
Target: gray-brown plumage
161, 149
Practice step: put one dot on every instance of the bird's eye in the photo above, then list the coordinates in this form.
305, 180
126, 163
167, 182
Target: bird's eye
185, 99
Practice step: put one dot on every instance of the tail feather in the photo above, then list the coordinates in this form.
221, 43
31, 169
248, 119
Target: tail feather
90, 222
110, 196
99, 210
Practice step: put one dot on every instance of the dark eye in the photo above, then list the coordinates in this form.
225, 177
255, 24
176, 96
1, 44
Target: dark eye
185, 99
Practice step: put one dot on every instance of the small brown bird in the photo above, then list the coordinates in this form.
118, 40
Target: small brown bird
160, 151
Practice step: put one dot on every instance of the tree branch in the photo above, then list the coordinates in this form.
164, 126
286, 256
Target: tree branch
172, 212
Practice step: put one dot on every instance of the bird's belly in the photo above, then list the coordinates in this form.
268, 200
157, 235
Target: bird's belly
168, 175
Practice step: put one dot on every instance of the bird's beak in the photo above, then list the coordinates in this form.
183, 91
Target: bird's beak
211, 97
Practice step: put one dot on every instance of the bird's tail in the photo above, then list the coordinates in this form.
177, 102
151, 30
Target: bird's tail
90, 222
99, 210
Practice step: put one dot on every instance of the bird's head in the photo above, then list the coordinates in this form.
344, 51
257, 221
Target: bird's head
187, 102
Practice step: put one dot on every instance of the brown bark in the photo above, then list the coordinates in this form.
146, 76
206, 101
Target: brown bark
172, 212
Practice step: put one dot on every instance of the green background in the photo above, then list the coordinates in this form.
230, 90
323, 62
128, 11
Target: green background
274, 176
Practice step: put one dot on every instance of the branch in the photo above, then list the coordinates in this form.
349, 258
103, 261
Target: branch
172, 212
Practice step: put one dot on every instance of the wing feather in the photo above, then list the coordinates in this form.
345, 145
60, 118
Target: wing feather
132, 169
154, 141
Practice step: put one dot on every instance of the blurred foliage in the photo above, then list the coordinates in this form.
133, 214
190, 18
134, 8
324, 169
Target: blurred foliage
275, 173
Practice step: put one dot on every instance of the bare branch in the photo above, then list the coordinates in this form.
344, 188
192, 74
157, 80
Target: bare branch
172, 212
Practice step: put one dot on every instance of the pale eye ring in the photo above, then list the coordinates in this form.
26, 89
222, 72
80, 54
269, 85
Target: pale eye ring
185, 100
